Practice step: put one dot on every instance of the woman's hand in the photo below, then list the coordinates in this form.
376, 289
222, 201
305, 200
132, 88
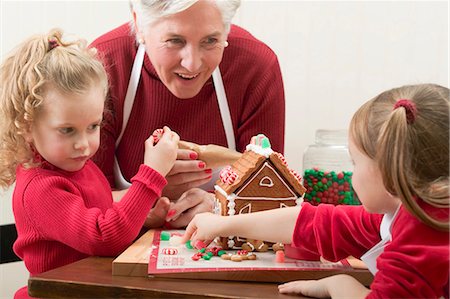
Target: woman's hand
192, 202
186, 173
157, 215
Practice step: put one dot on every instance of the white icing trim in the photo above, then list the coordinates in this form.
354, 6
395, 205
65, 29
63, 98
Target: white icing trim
221, 191
270, 184
265, 198
249, 205
250, 245
217, 207
266, 152
231, 204
299, 201
266, 164
230, 242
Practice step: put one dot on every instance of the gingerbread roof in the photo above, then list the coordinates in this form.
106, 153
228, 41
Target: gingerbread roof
250, 162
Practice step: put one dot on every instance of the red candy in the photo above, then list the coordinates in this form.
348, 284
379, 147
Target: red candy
227, 175
157, 134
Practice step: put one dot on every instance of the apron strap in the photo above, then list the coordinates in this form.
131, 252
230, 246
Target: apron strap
132, 88
224, 109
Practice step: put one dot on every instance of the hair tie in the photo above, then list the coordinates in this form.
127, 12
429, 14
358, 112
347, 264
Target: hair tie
410, 108
52, 44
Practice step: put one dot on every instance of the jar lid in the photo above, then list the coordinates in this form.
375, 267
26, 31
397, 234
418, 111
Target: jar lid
332, 137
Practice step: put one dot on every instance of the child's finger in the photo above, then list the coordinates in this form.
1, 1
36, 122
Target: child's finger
188, 234
150, 141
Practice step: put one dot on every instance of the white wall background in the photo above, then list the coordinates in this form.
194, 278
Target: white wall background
334, 55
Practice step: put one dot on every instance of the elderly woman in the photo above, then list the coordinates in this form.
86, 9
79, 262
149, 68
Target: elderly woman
181, 63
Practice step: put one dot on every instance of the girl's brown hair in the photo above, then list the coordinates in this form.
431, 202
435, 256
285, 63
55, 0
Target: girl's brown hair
41, 62
413, 156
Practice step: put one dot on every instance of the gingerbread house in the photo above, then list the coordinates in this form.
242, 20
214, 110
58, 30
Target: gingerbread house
260, 180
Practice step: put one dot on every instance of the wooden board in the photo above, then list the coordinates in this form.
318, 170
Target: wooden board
134, 260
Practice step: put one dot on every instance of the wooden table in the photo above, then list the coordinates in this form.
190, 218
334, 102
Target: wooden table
92, 278
126, 277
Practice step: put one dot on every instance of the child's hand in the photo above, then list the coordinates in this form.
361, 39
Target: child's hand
162, 156
337, 286
204, 227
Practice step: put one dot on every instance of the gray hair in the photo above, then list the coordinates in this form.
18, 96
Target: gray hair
149, 11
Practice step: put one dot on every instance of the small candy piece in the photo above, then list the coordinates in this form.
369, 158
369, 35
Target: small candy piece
199, 244
221, 252
279, 256
202, 250
157, 134
227, 175
277, 246
261, 246
215, 250
207, 257
225, 256
189, 245
251, 256
242, 252
196, 256
236, 258
248, 246
165, 236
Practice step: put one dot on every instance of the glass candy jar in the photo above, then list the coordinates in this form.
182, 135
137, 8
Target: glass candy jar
328, 169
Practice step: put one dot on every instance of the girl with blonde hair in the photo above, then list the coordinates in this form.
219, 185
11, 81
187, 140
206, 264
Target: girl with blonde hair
52, 95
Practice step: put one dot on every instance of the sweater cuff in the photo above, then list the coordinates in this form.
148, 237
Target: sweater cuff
150, 178
303, 236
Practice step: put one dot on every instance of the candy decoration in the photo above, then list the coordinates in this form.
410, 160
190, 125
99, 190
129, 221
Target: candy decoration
200, 245
329, 187
227, 175
282, 158
260, 140
189, 245
165, 236
279, 256
296, 175
157, 134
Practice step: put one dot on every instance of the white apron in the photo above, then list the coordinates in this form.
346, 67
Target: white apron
120, 181
370, 257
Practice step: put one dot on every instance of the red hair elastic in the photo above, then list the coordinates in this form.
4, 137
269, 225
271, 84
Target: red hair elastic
410, 108
52, 44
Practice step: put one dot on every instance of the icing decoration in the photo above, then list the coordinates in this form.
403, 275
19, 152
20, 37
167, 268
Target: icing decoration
266, 182
246, 209
266, 152
296, 175
228, 176
282, 158
260, 140
236, 195
157, 134
231, 205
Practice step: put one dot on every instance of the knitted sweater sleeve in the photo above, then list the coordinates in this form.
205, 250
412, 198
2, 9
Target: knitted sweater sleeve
415, 264
335, 232
85, 218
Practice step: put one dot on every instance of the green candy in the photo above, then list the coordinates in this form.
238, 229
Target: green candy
165, 236
188, 245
